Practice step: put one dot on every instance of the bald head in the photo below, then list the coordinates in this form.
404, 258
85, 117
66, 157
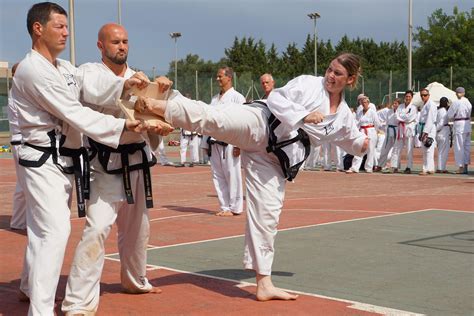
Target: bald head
267, 82
112, 42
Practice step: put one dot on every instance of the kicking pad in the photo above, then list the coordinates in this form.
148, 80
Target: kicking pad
128, 107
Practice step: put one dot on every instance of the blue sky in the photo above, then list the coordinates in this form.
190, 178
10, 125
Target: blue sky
209, 26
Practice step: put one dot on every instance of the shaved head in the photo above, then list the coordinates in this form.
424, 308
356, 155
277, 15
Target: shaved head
112, 42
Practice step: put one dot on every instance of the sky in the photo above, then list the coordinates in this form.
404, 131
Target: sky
208, 27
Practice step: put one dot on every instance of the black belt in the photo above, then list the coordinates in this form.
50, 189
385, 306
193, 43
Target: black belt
15, 142
81, 173
211, 142
104, 152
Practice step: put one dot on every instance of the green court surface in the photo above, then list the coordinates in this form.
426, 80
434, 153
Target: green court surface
421, 261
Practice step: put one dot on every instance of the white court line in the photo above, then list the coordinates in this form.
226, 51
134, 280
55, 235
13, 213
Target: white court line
330, 211
175, 216
372, 196
241, 284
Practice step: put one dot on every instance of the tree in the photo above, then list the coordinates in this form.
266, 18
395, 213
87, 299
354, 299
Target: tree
447, 42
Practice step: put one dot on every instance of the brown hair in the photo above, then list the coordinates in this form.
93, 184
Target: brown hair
41, 12
351, 63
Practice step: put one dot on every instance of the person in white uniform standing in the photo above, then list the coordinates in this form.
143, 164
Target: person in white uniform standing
117, 196
190, 139
443, 135
391, 131
225, 157
18, 219
460, 113
407, 116
368, 122
307, 109
46, 91
427, 137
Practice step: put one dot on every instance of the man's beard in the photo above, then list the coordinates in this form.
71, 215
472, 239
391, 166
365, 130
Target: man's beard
117, 59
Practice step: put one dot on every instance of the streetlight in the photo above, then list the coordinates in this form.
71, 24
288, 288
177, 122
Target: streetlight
410, 34
72, 34
175, 36
313, 16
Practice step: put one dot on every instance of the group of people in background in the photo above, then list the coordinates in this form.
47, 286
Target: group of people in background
400, 127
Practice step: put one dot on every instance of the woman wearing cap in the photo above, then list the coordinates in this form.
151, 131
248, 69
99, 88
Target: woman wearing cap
315, 105
443, 135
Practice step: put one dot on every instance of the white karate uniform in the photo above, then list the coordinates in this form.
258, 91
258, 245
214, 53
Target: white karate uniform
226, 173
247, 127
190, 139
391, 131
329, 151
161, 153
314, 158
108, 205
18, 219
427, 123
416, 141
407, 120
382, 115
368, 124
460, 113
442, 137
47, 99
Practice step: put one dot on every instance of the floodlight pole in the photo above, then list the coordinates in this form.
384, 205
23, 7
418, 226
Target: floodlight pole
314, 16
410, 35
72, 41
119, 3
175, 36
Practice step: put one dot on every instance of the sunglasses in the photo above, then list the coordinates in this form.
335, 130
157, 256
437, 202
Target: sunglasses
424, 95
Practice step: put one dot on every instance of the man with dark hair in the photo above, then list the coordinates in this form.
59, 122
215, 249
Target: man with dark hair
406, 115
225, 158
46, 91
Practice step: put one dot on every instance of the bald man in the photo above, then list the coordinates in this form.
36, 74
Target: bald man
267, 83
116, 197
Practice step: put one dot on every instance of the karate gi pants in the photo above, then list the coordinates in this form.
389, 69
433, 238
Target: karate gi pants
408, 142
442, 139
314, 158
428, 157
227, 178
462, 148
18, 220
247, 128
378, 147
193, 143
133, 229
161, 153
47, 192
387, 152
329, 151
369, 162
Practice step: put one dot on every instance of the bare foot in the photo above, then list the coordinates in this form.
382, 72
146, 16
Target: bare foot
266, 291
155, 290
225, 213
273, 293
